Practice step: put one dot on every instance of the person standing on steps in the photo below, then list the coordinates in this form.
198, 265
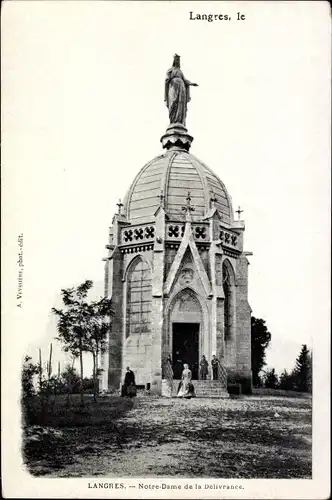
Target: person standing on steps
186, 389
203, 371
214, 364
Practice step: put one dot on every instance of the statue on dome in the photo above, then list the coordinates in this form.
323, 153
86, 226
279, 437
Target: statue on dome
177, 92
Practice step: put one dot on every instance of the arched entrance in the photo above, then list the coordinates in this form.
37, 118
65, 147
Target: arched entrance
185, 332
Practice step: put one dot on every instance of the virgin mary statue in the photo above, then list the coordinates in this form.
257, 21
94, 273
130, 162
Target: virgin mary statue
177, 93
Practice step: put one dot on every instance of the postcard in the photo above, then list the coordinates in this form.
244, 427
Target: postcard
166, 249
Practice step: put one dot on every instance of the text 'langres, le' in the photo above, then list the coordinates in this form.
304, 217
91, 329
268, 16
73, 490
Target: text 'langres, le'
193, 16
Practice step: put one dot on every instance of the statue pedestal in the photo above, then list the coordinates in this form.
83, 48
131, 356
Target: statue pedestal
176, 137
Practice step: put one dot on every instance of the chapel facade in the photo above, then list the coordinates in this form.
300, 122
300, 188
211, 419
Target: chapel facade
177, 273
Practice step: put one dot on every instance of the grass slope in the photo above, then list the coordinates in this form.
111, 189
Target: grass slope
246, 437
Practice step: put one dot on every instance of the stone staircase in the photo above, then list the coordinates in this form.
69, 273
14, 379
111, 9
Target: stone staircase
203, 389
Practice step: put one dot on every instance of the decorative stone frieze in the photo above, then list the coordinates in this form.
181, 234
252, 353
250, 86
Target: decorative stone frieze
228, 238
136, 234
175, 231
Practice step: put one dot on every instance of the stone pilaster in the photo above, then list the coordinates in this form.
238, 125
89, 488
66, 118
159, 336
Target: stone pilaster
243, 333
216, 288
116, 334
220, 341
157, 302
218, 295
112, 359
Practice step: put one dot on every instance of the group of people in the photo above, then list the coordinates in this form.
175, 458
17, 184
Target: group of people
204, 368
186, 388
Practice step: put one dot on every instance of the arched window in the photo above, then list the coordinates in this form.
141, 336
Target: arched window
139, 298
228, 303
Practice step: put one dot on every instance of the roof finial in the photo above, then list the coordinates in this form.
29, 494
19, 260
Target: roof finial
120, 205
161, 197
188, 208
213, 199
239, 212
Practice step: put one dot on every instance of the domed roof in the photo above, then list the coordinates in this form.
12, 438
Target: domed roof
175, 173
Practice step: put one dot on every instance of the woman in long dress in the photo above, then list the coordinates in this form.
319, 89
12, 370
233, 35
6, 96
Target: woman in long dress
186, 388
177, 93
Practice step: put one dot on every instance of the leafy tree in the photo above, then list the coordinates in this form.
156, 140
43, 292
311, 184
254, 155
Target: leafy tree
260, 339
302, 370
286, 381
100, 313
70, 380
83, 327
271, 379
73, 323
29, 370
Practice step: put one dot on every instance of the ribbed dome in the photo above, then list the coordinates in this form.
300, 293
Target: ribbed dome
175, 173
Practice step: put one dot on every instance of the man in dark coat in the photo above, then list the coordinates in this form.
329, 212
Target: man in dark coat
203, 368
214, 364
129, 384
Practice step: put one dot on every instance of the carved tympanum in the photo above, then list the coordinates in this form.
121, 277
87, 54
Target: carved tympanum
186, 276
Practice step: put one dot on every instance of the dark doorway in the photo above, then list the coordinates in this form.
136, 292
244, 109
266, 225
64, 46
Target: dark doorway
185, 348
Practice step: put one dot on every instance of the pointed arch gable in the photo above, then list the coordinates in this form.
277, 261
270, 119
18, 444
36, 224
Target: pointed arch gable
187, 242
181, 293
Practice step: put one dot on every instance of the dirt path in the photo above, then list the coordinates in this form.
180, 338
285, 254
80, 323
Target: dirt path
235, 438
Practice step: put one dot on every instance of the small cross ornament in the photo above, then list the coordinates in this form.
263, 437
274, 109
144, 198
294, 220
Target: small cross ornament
188, 208
213, 199
239, 212
161, 197
119, 205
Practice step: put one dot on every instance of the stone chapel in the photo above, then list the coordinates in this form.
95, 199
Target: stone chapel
177, 273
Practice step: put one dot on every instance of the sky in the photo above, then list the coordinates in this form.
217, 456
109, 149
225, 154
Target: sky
83, 111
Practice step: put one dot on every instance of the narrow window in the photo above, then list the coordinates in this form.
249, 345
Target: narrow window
139, 298
227, 303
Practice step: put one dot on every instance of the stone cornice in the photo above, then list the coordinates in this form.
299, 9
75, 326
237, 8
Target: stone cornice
143, 247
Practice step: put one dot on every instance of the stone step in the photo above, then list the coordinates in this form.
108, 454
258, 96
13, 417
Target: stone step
203, 389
